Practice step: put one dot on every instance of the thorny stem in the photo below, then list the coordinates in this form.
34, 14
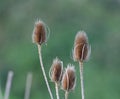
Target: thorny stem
43, 70
81, 79
66, 95
28, 86
8, 84
57, 92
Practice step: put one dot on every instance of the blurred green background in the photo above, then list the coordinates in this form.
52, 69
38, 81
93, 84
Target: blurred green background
100, 19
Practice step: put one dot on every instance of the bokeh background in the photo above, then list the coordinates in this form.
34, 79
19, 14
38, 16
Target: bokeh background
100, 19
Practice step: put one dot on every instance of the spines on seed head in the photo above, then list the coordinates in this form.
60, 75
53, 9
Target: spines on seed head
56, 70
39, 32
69, 78
81, 47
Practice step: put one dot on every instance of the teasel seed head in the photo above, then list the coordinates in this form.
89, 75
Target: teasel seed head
56, 70
82, 48
69, 78
39, 32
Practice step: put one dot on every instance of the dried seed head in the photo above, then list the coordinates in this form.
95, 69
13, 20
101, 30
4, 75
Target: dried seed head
81, 37
81, 47
39, 32
56, 70
69, 78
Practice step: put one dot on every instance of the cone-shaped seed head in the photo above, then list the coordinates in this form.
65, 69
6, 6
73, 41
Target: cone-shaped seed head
81, 47
69, 78
39, 33
56, 70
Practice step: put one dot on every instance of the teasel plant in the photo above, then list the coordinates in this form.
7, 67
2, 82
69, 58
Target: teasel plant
68, 80
8, 84
81, 53
39, 37
29, 79
55, 74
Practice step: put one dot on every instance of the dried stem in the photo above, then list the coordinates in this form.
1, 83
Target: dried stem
28, 86
43, 70
57, 92
8, 84
81, 79
66, 95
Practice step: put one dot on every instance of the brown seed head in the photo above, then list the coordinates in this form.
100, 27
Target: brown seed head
56, 70
69, 78
81, 37
39, 33
81, 47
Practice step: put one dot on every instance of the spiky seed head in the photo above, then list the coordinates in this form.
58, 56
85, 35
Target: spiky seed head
56, 70
81, 37
39, 32
69, 78
81, 47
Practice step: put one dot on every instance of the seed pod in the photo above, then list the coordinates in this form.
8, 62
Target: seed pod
81, 47
56, 70
39, 33
69, 78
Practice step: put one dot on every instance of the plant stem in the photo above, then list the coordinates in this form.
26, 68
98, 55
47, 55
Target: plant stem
81, 79
28, 86
43, 70
8, 84
57, 92
66, 95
